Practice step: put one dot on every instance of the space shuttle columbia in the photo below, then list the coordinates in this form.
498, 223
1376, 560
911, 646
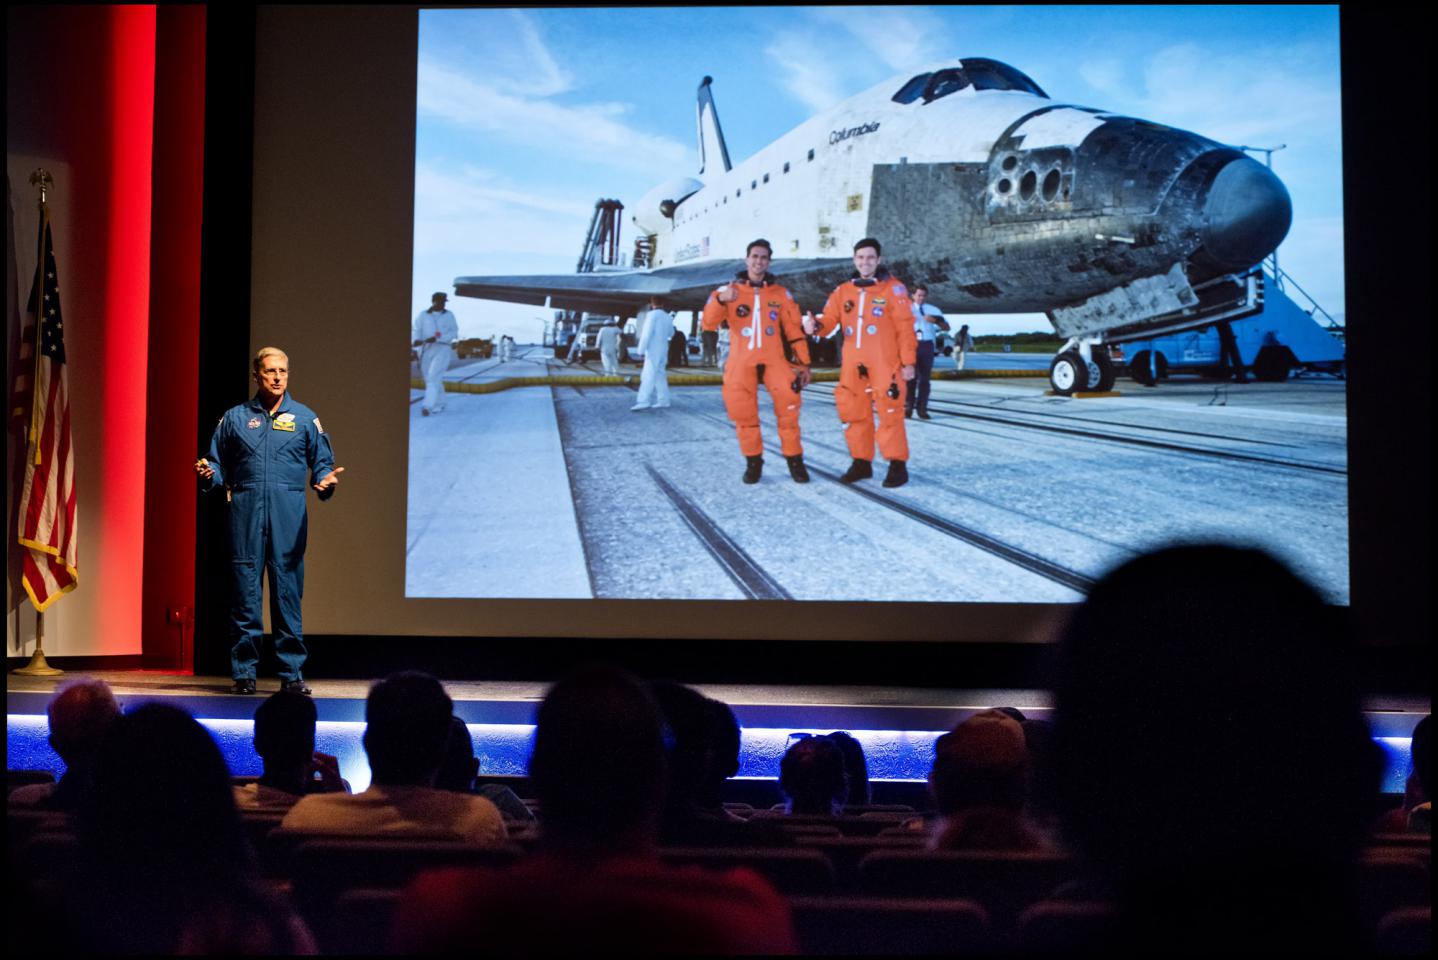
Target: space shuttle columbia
979, 186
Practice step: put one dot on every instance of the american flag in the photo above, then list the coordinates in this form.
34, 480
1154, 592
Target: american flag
47, 498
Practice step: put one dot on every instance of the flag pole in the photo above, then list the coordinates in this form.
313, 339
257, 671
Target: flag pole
38, 667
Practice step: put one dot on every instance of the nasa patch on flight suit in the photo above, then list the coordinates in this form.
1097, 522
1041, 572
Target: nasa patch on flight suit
871, 330
284, 422
254, 423
742, 311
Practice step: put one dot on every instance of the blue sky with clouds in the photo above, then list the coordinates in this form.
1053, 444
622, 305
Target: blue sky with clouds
526, 117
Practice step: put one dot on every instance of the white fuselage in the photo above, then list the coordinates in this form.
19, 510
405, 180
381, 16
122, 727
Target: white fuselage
818, 208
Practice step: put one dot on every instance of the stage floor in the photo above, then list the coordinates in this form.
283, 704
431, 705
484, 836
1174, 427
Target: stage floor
514, 702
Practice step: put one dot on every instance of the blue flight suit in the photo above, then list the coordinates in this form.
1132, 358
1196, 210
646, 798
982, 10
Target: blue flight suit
267, 463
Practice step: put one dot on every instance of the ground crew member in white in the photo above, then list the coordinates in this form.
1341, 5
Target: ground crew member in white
609, 347
435, 331
655, 330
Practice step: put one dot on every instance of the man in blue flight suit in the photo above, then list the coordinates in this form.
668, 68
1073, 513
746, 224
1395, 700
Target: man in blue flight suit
262, 453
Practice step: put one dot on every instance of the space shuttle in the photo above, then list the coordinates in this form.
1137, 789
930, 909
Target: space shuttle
979, 186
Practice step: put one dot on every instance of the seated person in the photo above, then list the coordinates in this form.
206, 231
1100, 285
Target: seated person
285, 741
461, 766
80, 713
978, 781
704, 753
1416, 814
407, 725
856, 768
1211, 757
812, 778
164, 866
595, 884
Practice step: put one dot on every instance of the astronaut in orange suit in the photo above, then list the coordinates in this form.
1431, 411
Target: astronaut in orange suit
763, 318
879, 355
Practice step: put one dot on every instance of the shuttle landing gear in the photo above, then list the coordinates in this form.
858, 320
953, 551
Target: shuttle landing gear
1082, 365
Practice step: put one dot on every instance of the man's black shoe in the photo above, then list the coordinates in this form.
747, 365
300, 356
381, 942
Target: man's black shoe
924, 415
243, 686
908, 414
858, 470
797, 470
898, 474
296, 686
754, 468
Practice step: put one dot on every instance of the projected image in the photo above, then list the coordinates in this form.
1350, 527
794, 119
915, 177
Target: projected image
1126, 224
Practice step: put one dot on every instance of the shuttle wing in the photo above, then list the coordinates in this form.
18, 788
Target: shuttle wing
684, 287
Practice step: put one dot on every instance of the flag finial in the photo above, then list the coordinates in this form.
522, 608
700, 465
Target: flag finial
41, 178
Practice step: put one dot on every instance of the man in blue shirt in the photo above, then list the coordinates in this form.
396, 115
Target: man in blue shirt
264, 453
928, 321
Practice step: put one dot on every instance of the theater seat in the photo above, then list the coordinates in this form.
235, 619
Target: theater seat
1407, 932
321, 870
791, 871
1067, 926
880, 926
1388, 881
360, 921
1004, 882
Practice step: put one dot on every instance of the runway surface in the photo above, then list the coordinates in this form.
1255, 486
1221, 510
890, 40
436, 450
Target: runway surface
1016, 496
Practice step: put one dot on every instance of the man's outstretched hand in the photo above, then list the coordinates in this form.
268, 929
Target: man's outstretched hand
331, 481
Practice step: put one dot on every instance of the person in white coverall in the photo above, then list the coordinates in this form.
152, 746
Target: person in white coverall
506, 348
609, 347
656, 330
435, 331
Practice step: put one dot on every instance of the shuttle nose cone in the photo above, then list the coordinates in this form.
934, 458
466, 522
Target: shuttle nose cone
1246, 215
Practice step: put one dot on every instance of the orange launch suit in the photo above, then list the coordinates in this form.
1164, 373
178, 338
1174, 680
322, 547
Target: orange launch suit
878, 324
761, 320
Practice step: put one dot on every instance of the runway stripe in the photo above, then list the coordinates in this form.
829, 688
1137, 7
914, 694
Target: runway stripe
748, 576
1143, 442
1020, 558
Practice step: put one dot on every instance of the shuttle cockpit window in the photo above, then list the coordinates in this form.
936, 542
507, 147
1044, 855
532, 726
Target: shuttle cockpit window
912, 90
944, 82
992, 75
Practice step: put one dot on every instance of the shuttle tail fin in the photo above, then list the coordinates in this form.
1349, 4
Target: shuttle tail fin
713, 154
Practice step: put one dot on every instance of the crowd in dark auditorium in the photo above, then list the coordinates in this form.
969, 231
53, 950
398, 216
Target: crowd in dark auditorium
1207, 784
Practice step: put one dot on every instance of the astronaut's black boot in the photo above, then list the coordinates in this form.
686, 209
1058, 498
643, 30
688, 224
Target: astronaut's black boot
858, 470
898, 474
754, 469
797, 470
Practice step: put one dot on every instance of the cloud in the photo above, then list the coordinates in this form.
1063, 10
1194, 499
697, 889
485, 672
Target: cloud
810, 79
472, 212
1262, 95
838, 51
1104, 75
899, 37
583, 133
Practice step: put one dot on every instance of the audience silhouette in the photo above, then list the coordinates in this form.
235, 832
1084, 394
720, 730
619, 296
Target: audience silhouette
407, 727
856, 768
80, 713
164, 864
979, 783
812, 778
595, 885
285, 741
1211, 758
